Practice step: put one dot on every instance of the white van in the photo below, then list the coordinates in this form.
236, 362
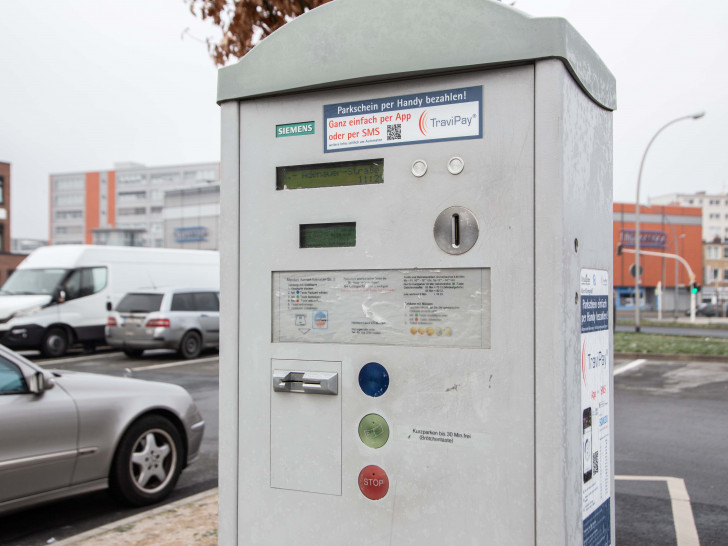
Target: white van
60, 295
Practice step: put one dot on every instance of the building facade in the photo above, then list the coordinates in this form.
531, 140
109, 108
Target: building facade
8, 260
192, 217
672, 230
120, 206
715, 255
714, 211
5, 207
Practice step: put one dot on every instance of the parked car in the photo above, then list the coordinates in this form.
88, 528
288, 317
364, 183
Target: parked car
185, 320
65, 433
708, 310
58, 295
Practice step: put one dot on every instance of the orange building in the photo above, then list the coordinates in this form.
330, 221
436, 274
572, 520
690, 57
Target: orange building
666, 229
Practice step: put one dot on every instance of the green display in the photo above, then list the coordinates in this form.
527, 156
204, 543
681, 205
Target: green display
326, 175
327, 235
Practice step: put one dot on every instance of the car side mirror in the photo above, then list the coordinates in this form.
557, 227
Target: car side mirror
109, 307
41, 382
59, 295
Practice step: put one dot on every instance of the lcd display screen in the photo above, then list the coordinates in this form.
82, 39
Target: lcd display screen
327, 235
326, 175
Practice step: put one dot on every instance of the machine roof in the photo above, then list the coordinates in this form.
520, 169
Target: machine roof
348, 42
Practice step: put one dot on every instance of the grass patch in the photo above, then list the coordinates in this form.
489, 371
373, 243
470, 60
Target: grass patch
631, 342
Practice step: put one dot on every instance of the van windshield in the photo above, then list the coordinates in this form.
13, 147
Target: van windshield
140, 303
33, 281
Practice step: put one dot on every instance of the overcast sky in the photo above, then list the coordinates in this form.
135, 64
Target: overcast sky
85, 84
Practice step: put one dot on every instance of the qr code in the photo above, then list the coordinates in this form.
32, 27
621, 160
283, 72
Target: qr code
595, 462
394, 132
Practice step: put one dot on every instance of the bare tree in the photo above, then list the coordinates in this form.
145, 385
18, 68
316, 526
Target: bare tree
243, 23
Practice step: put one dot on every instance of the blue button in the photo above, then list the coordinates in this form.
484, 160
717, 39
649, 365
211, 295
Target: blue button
373, 379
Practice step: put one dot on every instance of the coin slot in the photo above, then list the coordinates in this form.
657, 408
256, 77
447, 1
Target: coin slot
455, 230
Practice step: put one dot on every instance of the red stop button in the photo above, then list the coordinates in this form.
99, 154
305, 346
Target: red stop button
373, 482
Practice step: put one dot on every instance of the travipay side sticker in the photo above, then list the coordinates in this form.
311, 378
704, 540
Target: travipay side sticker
595, 372
451, 114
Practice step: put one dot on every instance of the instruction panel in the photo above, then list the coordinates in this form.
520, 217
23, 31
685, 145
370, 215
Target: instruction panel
418, 307
595, 366
450, 114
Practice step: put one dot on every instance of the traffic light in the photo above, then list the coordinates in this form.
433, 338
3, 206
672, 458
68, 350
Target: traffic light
619, 249
694, 288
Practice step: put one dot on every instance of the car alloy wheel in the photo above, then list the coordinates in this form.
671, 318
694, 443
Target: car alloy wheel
148, 461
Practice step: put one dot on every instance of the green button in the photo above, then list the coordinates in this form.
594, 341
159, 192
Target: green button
373, 430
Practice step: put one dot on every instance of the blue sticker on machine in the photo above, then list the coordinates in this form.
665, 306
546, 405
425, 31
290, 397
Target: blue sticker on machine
450, 114
597, 527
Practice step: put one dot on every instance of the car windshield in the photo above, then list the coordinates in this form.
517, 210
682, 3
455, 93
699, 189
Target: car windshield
139, 303
33, 281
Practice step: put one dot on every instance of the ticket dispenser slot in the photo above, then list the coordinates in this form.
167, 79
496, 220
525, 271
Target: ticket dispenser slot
306, 430
305, 382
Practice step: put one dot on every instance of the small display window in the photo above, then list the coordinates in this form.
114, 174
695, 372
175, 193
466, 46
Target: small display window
326, 175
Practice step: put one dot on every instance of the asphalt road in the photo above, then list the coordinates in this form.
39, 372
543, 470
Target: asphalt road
69, 517
670, 423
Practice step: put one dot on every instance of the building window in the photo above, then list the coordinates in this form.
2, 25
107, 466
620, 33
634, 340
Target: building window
725, 274
68, 214
69, 183
66, 199
725, 251
132, 211
124, 179
2, 190
162, 178
127, 196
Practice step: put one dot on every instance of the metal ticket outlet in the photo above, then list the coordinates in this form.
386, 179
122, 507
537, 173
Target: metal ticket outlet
417, 281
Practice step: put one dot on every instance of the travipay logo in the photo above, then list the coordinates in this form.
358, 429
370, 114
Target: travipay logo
423, 123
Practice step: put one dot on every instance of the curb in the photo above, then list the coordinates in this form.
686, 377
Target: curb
136, 517
677, 357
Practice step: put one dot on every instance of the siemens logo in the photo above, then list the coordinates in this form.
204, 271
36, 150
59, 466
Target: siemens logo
295, 129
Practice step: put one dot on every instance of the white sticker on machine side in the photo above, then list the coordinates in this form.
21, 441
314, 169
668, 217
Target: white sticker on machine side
595, 384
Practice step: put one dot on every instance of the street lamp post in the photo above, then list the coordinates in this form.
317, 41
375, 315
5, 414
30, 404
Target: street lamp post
697, 115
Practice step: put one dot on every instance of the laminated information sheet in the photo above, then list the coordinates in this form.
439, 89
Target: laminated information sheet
595, 373
417, 307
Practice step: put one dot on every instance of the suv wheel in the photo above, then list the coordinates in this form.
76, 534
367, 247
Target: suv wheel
191, 345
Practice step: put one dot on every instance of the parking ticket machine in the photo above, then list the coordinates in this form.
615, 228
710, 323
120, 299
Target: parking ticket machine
416, 347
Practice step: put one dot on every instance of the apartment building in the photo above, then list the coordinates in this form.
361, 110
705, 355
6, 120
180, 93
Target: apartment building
714, 211
120, 206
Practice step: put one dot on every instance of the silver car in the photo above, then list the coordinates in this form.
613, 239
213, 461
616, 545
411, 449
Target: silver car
63, 433
181, 319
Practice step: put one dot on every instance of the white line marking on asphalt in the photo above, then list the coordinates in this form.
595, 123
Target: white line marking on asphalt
74, 359
682, 513
631, 366
173, 364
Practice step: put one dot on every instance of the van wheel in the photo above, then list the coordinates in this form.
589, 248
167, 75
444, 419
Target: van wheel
148, 461
55, 343
133, 353
191, 345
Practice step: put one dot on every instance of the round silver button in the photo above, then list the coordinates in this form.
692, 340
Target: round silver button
455, 165
419, 167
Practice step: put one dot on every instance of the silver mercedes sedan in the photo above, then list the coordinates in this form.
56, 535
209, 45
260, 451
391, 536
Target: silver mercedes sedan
64, 433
